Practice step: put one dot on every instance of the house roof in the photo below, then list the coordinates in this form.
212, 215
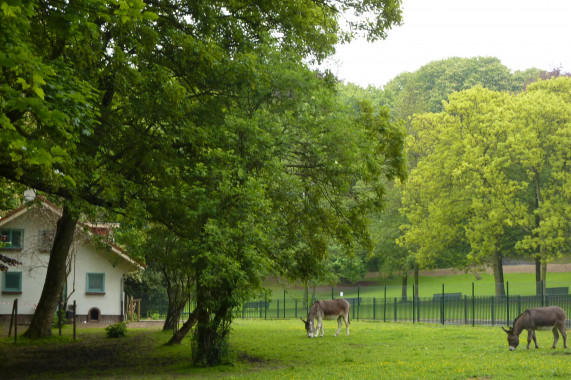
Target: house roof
103, 230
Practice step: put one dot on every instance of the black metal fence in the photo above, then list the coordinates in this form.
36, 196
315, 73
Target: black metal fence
382, 304
478, 310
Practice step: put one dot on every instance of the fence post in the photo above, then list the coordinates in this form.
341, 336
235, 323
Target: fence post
473, 307
296, 308
507, 303
395, 308
493, 310
332, 292
278, 311
465, 309
74, 319
413, 310
374, 309
417, 307
442, 306
385, 307
358, 301
14, 321
353, 307
59, 316
284, 302
542, 294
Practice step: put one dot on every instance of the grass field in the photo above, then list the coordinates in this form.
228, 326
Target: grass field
279, 349
518, 283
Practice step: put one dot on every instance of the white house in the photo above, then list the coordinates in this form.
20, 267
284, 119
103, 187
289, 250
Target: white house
96, 266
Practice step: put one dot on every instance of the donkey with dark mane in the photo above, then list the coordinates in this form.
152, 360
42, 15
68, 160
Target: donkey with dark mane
542, 318
330, 310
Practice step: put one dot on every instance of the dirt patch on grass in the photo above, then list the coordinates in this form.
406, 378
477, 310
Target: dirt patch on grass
92, 356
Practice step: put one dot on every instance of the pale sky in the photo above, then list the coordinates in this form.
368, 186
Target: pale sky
521, 33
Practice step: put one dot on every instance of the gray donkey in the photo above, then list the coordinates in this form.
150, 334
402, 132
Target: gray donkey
542, 318
330, 310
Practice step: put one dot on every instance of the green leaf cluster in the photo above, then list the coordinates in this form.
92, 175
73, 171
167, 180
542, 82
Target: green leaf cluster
492, 175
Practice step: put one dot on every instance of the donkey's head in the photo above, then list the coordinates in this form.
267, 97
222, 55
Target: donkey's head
309, 327
513, 339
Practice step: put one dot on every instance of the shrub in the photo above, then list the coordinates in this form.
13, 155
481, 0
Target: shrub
117, 330
59, 315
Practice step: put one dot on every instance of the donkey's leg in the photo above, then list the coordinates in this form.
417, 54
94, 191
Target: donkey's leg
321, 327
534, 338
530, 335
347, 323
563, 334
555, 336
339, 324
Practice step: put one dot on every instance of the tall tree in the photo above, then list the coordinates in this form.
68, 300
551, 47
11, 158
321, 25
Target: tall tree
120, 103
487, 163
542, 116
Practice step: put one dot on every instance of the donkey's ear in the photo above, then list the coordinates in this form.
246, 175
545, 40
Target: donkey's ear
303, 320
507, 331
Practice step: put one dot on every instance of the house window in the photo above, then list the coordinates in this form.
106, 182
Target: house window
95, 283
12, 282
12, 239
45, 240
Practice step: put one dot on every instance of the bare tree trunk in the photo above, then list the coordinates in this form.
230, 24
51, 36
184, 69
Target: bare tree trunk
41, 325
306, 296
498, 269
537, 275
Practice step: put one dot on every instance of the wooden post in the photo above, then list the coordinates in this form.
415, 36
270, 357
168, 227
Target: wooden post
16, 321
74, 319
59, 316
138, 301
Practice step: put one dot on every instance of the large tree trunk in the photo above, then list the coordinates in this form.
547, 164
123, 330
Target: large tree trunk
213, 317
175, 308
179, 335
404, 286
41, 325
544, 275
498, 270
178, 290
537, 275
416, 276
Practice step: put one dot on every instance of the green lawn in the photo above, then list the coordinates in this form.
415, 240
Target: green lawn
393, 350
280, 349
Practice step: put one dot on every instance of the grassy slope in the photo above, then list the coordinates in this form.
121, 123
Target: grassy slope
519, 284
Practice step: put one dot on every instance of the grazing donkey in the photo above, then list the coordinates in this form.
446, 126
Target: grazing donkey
330, 310
542, 318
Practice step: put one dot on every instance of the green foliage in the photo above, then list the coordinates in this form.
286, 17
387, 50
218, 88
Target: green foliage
60, 315
490, 175
117, 330
203, 118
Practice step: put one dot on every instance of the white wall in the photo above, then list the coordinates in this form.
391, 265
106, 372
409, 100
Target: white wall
88, 258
